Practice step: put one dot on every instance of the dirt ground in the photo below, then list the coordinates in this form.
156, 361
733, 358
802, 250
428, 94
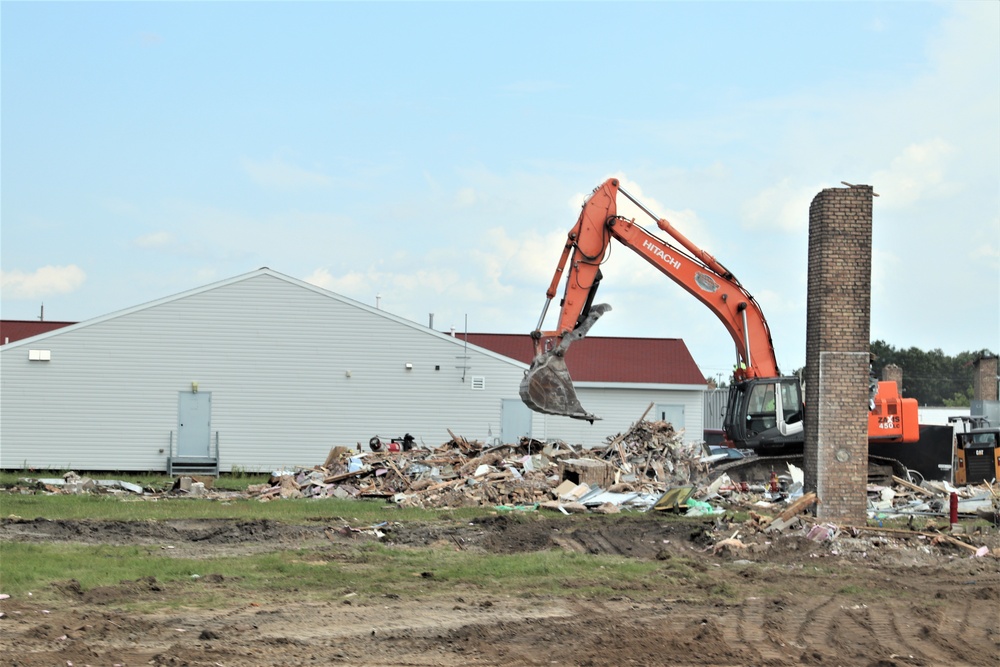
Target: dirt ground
941, 606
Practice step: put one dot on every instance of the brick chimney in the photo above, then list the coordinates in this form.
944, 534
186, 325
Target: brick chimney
837, 352
895, 374
984, 381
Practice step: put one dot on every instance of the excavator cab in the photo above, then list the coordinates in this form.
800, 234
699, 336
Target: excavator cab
765, 413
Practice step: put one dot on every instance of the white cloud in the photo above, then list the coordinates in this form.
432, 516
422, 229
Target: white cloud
154, 240
629, 210
528, 259
411, 294
966, 48
886, 268
918, 173
46, 281
782, 207
350, 284
277, 174
984, 245
988, 251
465, 198
687, 222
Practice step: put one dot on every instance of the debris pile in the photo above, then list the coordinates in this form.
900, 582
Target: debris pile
654, 453
649, 466
934, 498
74, 483
631, 470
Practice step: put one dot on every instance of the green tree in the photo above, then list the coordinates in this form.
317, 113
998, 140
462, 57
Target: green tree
932, 378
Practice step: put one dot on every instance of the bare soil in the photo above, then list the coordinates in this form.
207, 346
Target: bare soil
779, 600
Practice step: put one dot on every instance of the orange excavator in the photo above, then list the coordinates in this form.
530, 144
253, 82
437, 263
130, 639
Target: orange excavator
764, 410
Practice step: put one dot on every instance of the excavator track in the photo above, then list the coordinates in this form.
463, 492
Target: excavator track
756, 469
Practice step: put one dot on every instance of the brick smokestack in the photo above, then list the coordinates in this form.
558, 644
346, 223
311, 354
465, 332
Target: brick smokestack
893, 373
984, 383
837, 352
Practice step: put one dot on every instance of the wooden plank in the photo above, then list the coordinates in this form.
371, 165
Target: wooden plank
799, 505
913, 487
345, 475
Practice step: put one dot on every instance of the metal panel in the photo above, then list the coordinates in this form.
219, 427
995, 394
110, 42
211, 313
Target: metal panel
986, 408
715, 408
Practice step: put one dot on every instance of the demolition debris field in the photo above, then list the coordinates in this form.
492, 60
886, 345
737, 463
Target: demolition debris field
874, 599
541, 570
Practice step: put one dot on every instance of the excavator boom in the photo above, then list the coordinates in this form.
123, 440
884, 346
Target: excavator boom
547, 386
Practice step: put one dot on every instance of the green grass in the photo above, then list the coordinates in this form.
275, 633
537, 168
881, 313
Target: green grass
30, 567
237, 480
368, 571
325, 573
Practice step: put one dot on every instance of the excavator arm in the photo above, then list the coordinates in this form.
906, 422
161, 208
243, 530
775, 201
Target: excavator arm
547, 386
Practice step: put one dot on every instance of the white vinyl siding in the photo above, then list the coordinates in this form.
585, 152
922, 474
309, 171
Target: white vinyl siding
293, 370
274, 354
619, 407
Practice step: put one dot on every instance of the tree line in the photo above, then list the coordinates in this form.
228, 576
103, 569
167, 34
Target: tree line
931, 377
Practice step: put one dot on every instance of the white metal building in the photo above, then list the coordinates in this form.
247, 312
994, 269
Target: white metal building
263, 371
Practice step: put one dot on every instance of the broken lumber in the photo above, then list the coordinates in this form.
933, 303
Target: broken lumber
807, 500
913, 487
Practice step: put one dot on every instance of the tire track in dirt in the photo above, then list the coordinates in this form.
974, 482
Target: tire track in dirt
950, 631
954, 628
749, 630
813, 628
569, 544
596, 543
887, 632
916, 635
834, 629
851, 627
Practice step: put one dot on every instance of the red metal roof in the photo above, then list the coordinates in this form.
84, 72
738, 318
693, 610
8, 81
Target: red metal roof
608, 359
12, 330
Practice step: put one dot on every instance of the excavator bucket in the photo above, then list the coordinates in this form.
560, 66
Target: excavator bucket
547, 386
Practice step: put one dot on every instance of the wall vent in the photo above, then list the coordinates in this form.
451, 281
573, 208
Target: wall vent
478, 382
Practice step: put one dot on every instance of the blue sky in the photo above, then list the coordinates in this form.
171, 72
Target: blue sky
433, 156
